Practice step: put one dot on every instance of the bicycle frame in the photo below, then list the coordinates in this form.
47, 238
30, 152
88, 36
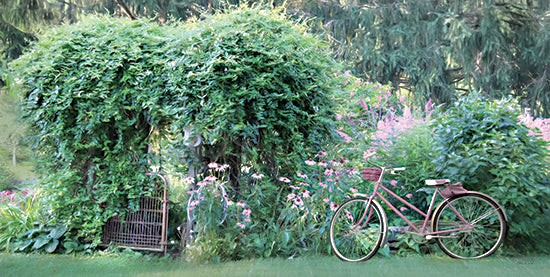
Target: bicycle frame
426, 215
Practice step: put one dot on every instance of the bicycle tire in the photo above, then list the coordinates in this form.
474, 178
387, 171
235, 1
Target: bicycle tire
481, 239
353, 240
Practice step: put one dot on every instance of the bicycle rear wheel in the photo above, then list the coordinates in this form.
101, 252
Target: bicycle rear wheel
357, 230
481, 232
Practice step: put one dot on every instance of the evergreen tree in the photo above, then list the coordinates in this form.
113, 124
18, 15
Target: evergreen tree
437, 48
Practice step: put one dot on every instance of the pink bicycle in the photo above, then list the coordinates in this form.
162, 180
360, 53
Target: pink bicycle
465, 225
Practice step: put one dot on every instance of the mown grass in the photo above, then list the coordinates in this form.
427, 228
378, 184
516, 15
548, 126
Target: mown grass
413, 265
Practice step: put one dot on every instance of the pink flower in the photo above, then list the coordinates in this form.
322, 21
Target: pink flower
321, 154
192, 205
298, 201
284, 179
323, 163
213, 165
403, 209
241, 204
348, 215
305, 193
246, 211
257, 175
189, 180
329, 171
354, 190
294, 187
326, 200
409, 195
310, 162
204, 183
229, 202
291, 196
26, 192
222, 168
393, 183
247, 219
302, 175
322, 184
304, 184
345, 136
240, 224
352, 172
333, 206
210, 178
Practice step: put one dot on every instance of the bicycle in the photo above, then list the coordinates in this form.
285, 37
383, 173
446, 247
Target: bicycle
465, 224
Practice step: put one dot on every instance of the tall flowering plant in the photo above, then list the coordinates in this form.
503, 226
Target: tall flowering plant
373, 118
361, 106
19, 211
213, 214
538, 127
313, 194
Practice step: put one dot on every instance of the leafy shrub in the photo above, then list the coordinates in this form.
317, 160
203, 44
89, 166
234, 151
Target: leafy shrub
360, 106
481, 143
373, 118
255, 86
93, 95
19, 211
286, 218
100, 94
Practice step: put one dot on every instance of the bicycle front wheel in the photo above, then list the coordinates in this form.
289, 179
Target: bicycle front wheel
473, 226
357, 229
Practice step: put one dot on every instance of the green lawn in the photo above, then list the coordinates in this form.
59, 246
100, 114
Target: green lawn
414, 265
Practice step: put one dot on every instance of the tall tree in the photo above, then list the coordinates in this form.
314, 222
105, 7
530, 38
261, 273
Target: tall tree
436, 48
18, 20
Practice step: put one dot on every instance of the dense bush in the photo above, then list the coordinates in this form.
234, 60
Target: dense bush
285, 218
255, 86
92, 95
482, 144
101, 94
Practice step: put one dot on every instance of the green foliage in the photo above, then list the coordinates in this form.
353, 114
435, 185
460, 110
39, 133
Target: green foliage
481, 143
360, 107
7, 179
19, 213
255, 87
435, 49
93, 93
99, 95
288, 218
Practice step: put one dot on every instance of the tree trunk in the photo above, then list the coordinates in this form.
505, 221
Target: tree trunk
13, 156
162, 11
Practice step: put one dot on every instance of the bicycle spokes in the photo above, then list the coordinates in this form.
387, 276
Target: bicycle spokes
471, 226
357, 230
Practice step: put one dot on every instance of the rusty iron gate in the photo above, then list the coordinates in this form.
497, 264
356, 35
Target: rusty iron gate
144, 229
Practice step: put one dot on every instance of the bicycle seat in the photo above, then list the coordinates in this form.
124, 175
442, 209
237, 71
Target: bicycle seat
438, 182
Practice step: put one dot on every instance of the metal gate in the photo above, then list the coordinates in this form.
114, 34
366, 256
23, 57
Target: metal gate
144, 229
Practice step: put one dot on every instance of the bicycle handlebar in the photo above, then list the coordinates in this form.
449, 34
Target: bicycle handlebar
391, 170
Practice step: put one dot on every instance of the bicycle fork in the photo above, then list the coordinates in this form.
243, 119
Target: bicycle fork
369, 209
